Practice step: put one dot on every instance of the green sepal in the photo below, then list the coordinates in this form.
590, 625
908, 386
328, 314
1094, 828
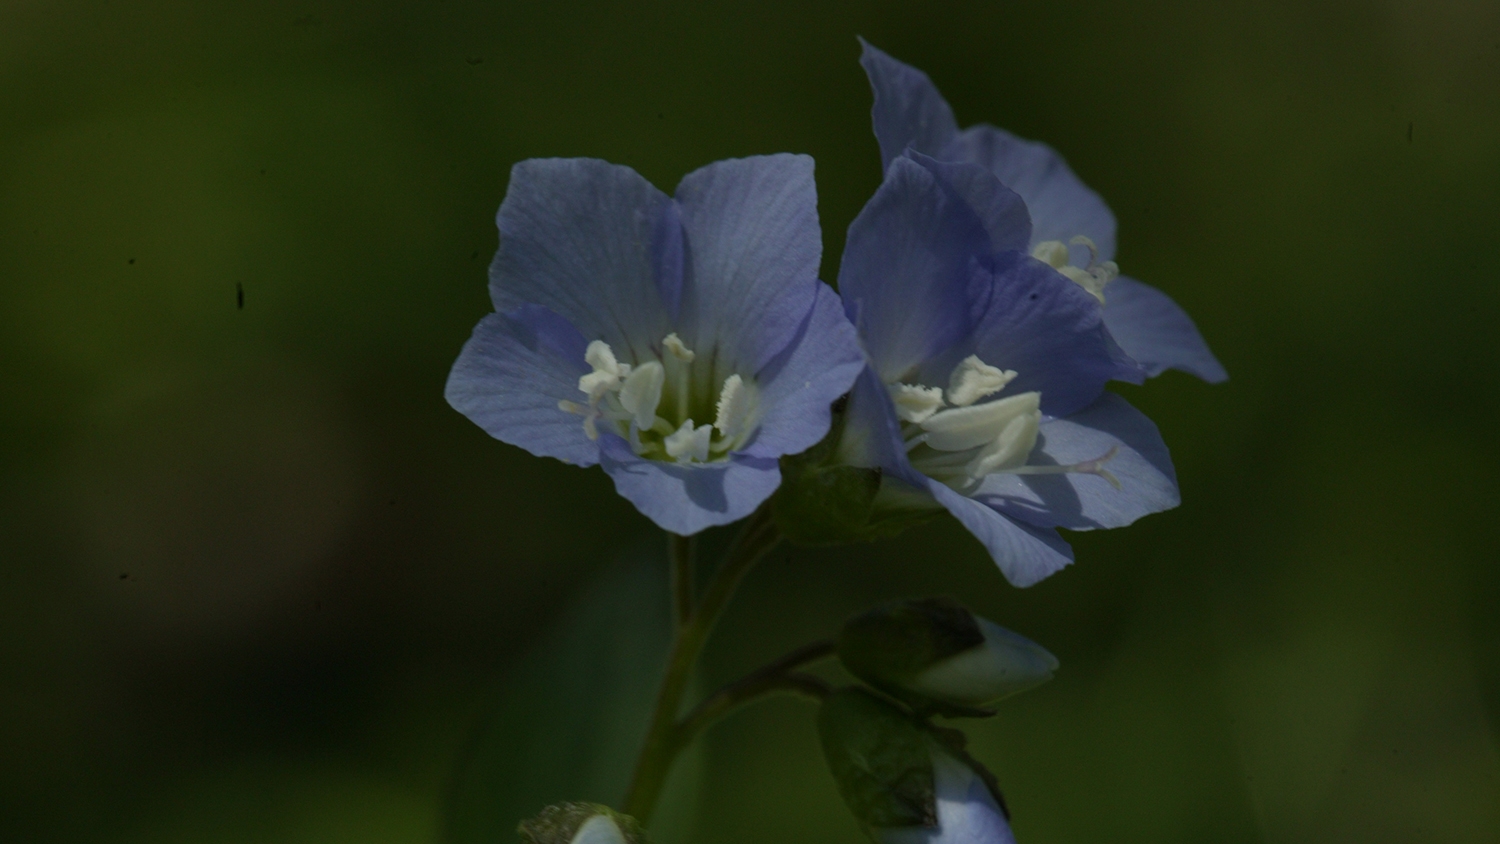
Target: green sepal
889, 645
880, 758
825, 501
559, 823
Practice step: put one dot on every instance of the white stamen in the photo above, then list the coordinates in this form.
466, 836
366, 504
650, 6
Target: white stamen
968, 427
597, 383
973, 379
627, 399
602, 358
688, 444
1010, 449
641, 393
673, 345
733, 409
1092, 278
1054, 253
677, 358
915, 403
607, 371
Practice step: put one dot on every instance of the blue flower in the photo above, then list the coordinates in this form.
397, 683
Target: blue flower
683, 343
985, 387
1072, 228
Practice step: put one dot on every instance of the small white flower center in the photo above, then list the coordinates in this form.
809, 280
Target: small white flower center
1092, 278
961, 440
652, 404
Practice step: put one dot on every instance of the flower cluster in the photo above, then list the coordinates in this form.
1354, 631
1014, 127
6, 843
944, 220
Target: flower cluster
686, 345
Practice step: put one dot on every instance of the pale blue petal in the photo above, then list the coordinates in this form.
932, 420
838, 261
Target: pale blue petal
798, 386
1156, 332
576, 236
906, 271
1148, 483
687, 499
1025, 554
751, 247
1046, 328
512, 373
1001, 209
1061, 205
872, 435
908, 110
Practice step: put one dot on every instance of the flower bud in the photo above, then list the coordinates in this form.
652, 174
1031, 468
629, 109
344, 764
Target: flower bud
935, 655
967, 811
906, 782
581, 823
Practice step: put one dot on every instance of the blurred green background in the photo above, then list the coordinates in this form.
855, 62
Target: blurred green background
262, 584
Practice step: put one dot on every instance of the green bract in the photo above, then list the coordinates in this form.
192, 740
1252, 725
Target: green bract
824, 500
880, 758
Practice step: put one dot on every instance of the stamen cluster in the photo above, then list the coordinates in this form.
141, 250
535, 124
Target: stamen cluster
651, 404
953, 438
1092, 278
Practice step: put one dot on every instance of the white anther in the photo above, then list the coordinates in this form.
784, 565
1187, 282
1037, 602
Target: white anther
641, 393
688, 444
961, 428
607, 371
674, 347
915, 403
602, 358
597, 383
733, 409
1010, 449
973, 379
1053, 253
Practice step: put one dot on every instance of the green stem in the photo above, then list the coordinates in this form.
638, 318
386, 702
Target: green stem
683, 560
778, 676
757, 537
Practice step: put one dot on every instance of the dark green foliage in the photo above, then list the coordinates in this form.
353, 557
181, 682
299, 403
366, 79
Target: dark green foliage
823, 501
880, 758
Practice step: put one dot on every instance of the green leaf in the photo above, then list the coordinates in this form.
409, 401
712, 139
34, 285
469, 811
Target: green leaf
570, 717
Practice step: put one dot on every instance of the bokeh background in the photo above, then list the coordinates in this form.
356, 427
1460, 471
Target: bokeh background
261, 584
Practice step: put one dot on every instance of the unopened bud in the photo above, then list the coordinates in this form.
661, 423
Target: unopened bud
581, 823
967, 811
933, 654
905, 781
